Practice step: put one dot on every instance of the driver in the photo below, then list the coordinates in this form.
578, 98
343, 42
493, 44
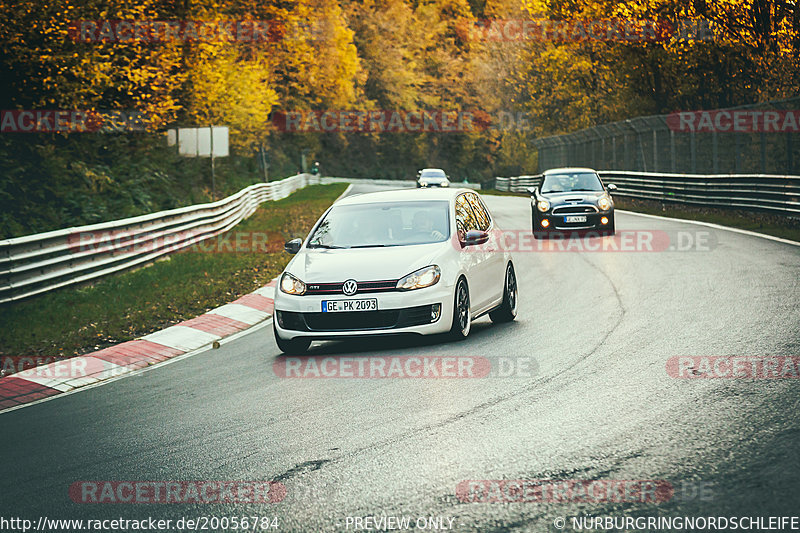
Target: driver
422, 224
584, 182
556, 184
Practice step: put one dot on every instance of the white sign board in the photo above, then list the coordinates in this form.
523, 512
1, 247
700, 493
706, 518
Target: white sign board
220, 143
187, 141
196, 142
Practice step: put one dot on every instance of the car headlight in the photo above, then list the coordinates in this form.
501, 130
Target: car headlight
292, 285
604, 203
445, 184
424, 277
423, 183
542, 205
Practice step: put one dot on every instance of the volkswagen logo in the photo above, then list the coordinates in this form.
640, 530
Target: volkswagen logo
350, 287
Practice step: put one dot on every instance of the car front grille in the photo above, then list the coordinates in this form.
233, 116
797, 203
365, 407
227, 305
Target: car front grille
363, 287
574, 210
356, 320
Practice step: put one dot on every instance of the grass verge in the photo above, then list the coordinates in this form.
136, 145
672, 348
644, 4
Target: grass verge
77, 320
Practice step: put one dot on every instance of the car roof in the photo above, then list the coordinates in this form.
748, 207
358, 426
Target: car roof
402, 195
433, 170
567, 170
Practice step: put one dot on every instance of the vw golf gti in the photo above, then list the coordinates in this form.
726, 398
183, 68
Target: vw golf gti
395, 262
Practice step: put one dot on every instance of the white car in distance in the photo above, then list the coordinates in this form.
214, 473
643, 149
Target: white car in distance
395, 262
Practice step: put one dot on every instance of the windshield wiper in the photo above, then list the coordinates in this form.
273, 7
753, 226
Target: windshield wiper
370, 245
587, 190
326, 246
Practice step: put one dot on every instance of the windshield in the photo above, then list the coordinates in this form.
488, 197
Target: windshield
572, 182
432, 174
383, 224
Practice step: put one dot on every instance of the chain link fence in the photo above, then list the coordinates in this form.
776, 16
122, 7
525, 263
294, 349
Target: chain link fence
740, 140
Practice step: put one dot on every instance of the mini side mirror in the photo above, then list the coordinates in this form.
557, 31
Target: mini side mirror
532, 190
611, 187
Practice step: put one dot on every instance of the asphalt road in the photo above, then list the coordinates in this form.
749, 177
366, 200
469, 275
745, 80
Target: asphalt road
599, 327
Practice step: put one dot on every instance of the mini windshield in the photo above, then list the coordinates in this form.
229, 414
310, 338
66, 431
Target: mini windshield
383, 224
572, 182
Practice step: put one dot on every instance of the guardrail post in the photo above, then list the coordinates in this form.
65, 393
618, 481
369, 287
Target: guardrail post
655, 150
614, 152
737, 164
626, 152
672, 150
715, 151
602, 152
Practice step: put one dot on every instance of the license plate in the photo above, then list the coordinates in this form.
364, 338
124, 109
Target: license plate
339, 306
575, 219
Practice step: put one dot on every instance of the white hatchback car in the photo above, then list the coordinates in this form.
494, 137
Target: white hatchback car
395, 262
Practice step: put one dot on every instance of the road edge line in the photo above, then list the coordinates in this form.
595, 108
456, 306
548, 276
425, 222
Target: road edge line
712, 225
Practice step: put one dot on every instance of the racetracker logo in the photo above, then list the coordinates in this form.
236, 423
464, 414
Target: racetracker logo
71, 121
404, 367
60, 369
563, 491
400, 121
733, 367
13, 364
125, 242
180, 492
159, 31
561, 31
593, 241
738, 121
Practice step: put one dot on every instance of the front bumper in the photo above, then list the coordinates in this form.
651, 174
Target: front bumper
558, 222
399, 312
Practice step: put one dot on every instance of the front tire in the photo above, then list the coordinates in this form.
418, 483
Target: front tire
508, 309
462, 317
296, 346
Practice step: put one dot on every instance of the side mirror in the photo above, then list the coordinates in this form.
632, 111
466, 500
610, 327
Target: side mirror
293, 246
532, 190
474, 237
611, 187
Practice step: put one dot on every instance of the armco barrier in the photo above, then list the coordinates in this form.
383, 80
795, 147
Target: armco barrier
35, 264
395, 183
756, 192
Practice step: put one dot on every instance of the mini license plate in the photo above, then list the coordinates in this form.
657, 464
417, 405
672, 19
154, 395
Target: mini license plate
580, 218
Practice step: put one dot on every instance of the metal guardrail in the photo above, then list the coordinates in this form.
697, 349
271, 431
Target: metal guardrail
517, 183
756, 192
35, 264
396, 183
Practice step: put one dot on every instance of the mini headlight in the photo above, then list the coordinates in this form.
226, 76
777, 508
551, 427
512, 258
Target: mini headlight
445, 184
423, 183
604, 203
543, 205
424, 277
292, 285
